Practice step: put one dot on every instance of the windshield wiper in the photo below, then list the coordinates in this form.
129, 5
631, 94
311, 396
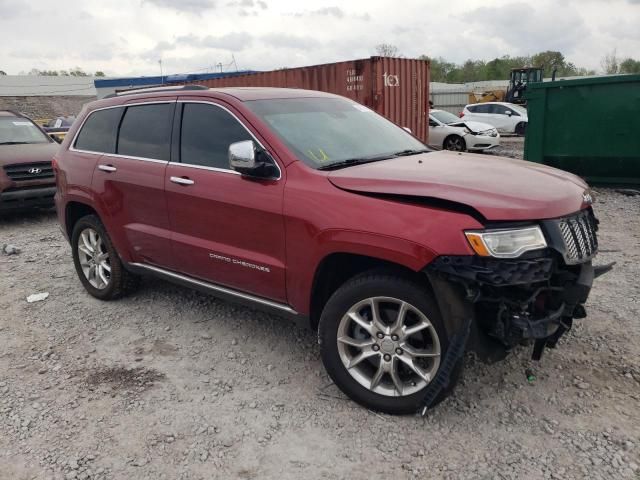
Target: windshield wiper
13, 143
354, 161
406, 153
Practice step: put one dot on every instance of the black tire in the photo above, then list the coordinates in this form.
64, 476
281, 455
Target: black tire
455, 143
383, 284
521, 128
120, 280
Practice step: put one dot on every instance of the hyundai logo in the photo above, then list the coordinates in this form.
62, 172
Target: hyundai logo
587, 198
35, 171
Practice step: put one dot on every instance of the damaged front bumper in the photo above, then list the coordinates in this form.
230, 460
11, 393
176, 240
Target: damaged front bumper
530, 299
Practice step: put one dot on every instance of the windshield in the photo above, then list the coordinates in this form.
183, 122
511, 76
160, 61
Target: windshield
445, 117
331, 131
15, 130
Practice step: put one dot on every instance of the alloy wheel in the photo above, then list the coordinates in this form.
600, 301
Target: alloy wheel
455, 144
388, 346
94, 259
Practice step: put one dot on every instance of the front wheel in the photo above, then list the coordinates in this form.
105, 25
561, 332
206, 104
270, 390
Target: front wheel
382, 342
455, 143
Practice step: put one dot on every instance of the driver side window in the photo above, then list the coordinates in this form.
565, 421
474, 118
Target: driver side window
206, 133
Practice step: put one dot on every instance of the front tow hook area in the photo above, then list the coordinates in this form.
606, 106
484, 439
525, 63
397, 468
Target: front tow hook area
599, 270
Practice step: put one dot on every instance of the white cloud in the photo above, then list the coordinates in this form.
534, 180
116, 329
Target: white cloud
123, 37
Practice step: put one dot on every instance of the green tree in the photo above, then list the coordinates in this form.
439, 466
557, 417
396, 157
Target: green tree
77, 72
440, 68
629, 65
2, 72
99, 73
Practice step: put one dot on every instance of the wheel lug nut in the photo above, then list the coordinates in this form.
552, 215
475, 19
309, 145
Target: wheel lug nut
375, 348
394, 338
380, 335
399, 351
387, 357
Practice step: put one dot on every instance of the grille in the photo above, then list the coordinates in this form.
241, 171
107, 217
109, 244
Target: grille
579, 236
29, 171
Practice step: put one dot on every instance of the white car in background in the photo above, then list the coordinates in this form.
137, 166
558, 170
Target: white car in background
506, 117
449, 132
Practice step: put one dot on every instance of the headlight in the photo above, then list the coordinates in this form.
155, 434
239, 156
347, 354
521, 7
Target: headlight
507, 243
491, 132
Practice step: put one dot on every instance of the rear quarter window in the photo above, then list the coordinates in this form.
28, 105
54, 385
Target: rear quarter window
98, 134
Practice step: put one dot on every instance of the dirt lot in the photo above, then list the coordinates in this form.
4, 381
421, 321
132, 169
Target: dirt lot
510, 146
171, 384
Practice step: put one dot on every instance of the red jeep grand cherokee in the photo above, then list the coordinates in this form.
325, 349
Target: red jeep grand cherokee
313, 206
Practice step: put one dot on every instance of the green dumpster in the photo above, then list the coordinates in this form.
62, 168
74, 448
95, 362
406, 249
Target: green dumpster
588, 126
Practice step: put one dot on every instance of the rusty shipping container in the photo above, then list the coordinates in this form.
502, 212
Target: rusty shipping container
397, 88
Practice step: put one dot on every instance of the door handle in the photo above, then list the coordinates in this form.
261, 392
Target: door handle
182, 180
107, 168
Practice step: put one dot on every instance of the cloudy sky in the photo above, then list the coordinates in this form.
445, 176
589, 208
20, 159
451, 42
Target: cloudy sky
123, 37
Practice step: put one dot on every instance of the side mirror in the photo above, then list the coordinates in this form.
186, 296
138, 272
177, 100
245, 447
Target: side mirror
508, 112
246, 159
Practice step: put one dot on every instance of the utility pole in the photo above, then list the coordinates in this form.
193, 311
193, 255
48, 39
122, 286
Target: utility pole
161, 76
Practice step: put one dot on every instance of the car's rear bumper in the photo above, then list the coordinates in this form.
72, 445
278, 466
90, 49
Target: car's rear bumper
31, 197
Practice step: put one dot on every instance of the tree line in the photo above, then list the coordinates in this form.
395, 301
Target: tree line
72, 72
443, 70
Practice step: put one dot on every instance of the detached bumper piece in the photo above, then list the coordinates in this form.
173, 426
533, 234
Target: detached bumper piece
533, 298
521, 300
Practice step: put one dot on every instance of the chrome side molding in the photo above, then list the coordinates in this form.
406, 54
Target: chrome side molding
213, 288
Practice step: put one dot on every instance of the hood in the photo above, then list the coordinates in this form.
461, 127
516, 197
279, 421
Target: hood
475, 127
498, 188
35, 152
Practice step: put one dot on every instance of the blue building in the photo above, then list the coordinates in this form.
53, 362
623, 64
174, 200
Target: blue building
107, 86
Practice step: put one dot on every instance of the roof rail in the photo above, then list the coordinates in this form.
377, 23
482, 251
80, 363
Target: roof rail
170, 88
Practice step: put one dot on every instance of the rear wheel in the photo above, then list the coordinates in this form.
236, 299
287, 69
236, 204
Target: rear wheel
97, 263
382, 341
455, 143
521, 128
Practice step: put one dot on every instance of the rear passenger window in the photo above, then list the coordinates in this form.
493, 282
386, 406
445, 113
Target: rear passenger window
482, 109
207, 132
146, 131
99, 131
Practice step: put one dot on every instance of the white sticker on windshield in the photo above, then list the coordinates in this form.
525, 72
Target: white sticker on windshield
362, 108
23, 124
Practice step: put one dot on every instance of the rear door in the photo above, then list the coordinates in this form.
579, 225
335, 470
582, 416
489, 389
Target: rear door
227, 229
478, 113
129, 181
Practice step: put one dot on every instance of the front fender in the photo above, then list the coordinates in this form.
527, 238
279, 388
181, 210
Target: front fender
302, 269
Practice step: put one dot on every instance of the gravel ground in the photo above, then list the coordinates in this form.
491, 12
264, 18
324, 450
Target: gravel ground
171, 384
510, 146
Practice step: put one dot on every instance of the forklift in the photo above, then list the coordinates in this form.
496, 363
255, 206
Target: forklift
518, 81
